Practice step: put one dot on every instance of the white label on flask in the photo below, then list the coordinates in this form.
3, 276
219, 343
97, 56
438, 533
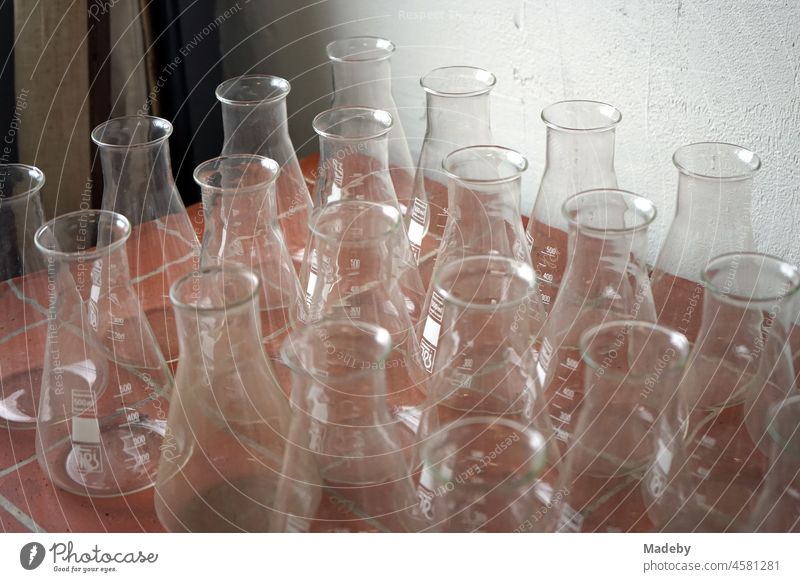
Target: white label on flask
415, 232
85, 429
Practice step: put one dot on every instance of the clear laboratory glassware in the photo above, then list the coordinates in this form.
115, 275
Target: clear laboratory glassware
225, 438
457, 109
241, 227
351, 274
23, 295
606, 279
579, 157
255, 122
485, 474
345, 466
138, 183
103, 406
778, 507
740, 366
712, 217
354, 165
483, 219
621, 468
362, 77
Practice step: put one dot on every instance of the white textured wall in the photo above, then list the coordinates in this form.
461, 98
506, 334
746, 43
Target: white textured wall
680, 71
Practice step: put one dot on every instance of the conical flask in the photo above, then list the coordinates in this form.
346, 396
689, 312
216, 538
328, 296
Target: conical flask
712, 217
362, 77
740, 366
345, 465
627, 446
350, 274
254, 121
102, 411
484, 364
483, 219
23, 295
606, 278
485, 475
138, 183
457, 106
778, 506
222, 454
579, 157
241, 228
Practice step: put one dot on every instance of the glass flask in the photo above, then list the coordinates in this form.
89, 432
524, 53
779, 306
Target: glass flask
740, 365
102, 411
226, 432
138, 183
23, 295
579, 156
345, 466
483, 219
241, 228
627, 447
712, 217
254, 120
353, 165
485, 475
351, 274
778, 506
457, 105
362, 76
606, 279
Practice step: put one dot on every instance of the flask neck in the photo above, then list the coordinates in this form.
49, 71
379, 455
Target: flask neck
365, 83
704, 203
458, 121
256, 129
587, 157
354, 170
237, 223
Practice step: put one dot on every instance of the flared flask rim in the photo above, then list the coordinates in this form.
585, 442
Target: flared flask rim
285, 89
649, 212
613, 121
291, 360
236, 270
772, 430
270, 165
117, 218
98, 131
676, 338
784, 268
387, 123
489, 81
518, 268
521, 164
429, 448
388, 47
753, 166
361, 242
34, 173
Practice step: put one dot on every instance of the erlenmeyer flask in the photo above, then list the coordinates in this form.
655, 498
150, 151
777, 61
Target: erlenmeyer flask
222, 454
606, 278
362, 77
254, 120
353, 165
350, 274
778, 506
483, 219
102, 412
485, 475
740, 365
579, 157
712, 217
627, 445
241, 228
23, 295
345, 466
457, 105
138, 183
